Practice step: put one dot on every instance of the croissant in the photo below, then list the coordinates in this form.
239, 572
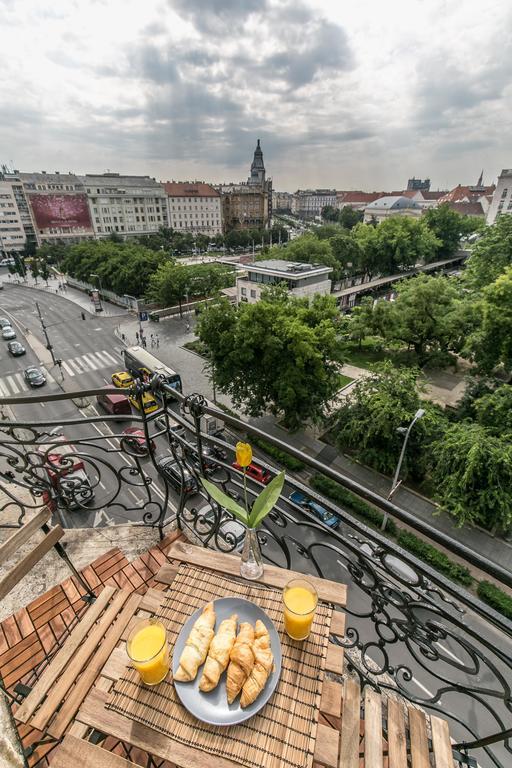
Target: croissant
196, 647
218, 655
263, 662
241, 661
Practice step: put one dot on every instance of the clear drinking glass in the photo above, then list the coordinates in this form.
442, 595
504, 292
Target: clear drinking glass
148, 650
300, 600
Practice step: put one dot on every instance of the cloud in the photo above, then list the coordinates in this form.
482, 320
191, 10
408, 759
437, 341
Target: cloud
218, 17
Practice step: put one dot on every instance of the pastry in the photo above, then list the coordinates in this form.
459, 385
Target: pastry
263, 662
241, 661
197, 645
218, 654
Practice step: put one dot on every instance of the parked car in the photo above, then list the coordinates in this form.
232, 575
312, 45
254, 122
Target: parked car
34, 376
4, 321
67, 474
135, 440
315, 508
175, 429
117, 405
230, 530
8, 333
15, 348
122, 379
172, 473
255, 472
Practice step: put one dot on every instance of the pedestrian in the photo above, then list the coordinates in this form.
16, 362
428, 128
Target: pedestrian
144, 342
157, 341
137, 336
123, 338
187, 326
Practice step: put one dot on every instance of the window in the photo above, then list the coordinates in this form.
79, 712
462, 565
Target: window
243, 291
253, 293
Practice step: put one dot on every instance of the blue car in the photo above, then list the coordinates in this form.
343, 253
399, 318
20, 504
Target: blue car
313, 506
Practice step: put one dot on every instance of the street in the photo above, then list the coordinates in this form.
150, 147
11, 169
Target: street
126, 487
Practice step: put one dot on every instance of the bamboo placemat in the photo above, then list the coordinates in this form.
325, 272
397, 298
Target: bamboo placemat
283, 733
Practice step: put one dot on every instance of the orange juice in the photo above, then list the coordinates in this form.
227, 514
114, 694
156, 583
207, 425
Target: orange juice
148, 651
300, 600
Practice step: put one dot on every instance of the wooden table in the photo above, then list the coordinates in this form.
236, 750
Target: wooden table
95, 656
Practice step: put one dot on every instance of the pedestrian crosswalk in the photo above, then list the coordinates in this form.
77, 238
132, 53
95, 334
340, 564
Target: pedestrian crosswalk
15, 384
91, 361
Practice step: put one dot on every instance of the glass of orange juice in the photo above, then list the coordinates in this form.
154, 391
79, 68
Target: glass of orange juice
300, 600
148, 650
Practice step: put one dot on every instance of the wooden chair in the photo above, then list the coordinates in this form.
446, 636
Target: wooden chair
25, 534
82, 754
368, 740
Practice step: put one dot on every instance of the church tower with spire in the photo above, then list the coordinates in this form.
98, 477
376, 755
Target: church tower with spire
257, 168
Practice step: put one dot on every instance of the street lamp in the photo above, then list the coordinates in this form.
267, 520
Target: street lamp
98, 278
406, 431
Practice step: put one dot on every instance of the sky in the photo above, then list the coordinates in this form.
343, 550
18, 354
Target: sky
358, 95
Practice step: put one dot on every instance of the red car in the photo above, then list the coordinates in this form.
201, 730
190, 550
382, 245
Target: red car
135, 440
255, 471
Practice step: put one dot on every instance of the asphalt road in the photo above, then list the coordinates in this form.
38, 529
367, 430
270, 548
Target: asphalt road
91, 352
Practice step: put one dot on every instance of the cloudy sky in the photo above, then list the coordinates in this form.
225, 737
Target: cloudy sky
348, 95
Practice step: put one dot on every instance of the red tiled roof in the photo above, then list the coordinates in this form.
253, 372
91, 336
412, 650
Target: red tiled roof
433, 195
189, 189
459, 193
470, 209
359, 197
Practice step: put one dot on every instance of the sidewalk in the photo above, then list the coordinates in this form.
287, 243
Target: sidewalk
72, 294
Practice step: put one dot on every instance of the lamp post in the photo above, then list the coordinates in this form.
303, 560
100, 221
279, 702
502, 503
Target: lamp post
406, 431
98, 278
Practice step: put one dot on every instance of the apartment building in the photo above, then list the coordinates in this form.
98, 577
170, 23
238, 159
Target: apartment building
308, 203
194, 207
301, 279
12, 232
127, 205
282, 201
58, 206
248, 205
501, 202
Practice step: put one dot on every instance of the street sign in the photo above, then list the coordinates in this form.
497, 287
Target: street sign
143, 315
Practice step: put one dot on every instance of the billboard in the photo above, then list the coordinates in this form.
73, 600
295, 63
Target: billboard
66, 211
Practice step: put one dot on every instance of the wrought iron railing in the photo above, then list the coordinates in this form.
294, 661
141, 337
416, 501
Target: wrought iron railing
409, 629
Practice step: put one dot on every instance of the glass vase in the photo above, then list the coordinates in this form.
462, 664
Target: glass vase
251, 564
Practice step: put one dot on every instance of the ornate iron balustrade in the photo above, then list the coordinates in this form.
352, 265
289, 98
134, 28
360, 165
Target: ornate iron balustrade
409, 630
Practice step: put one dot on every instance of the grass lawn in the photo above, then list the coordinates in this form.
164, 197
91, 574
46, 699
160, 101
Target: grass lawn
373, 351
344, 380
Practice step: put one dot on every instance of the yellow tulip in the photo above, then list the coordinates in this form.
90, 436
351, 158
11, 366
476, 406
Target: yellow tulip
243, 454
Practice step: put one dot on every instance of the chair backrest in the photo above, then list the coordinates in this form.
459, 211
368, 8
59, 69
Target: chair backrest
83, 754
10, 577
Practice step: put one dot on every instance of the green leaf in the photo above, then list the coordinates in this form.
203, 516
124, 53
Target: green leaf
224, 500
266, 500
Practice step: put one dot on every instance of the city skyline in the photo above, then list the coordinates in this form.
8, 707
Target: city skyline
182, 90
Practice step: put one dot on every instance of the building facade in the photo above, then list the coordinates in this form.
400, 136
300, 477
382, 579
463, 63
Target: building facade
194, 207
385, 207
282, 202
423, 184
127, 205
248, 205
301, 279
12, 231
501, 202
308, 203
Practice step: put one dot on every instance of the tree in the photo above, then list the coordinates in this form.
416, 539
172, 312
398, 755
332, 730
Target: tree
280, 354
34, 268
348, 217
472, 473
447, 226
44, 270
347, 251
172, 281
491, 254
492, 343
367, 423
329, 213
426, 315
360, 321
494, 411
308, 249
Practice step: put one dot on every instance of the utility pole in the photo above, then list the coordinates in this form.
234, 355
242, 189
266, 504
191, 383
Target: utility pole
48, 344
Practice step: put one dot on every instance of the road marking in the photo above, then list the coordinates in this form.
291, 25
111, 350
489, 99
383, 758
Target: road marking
75, 365
447, 651
12, 384
102, 358
68, 368
21, 380
4, 390
423, 688
108, 355
90, 362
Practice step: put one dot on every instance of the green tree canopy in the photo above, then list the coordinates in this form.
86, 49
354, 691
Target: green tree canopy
491, 254
492, 343
348, 217
347, 251
308, 249
396, 244
494, 410
448, 226
367, 423
172, 281
472, 473
280, 354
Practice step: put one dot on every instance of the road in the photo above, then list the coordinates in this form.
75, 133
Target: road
90, 352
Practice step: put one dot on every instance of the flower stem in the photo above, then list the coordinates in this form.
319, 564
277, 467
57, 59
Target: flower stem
245, 496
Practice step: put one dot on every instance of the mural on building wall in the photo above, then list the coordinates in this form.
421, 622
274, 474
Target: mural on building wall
66, 211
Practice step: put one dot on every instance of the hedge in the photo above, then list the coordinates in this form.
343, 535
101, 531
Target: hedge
283, 458
495, 597
336, 492
434, 557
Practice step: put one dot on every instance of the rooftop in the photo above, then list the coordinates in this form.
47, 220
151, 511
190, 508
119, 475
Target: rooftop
393, 201
189, 189
287, 268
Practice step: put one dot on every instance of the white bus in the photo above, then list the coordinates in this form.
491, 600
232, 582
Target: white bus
142, 365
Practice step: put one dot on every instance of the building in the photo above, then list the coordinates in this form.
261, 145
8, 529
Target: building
356, 199
282, 202
308, 203
395, 205
301, 279
194, 207
423, 184
12, 231
127, 205
248, 205
502, 197
58, 206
